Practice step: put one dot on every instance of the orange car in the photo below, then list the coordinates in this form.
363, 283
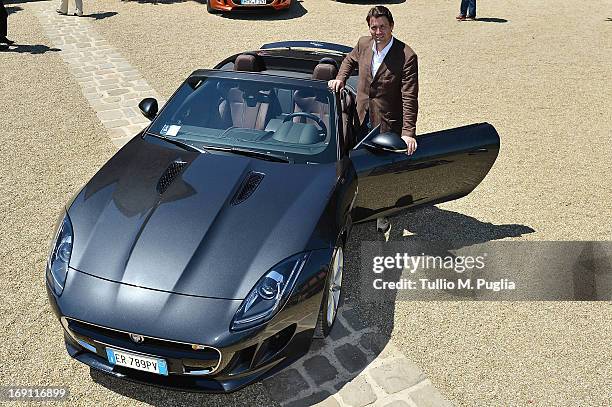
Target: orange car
217, 6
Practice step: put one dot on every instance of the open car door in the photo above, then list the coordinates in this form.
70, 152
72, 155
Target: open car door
447, 165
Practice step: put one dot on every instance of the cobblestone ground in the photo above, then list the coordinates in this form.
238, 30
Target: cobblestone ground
111, 85
357, 367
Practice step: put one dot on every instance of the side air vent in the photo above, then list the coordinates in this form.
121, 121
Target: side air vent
173, 170
249, 185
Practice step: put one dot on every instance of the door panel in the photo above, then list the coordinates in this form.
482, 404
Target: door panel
447, 165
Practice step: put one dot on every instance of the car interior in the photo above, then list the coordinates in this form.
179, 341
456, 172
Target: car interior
255, 110
291, 118
304, 100
269, 109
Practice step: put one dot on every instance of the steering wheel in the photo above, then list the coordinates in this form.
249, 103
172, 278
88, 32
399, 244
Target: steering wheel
314, 117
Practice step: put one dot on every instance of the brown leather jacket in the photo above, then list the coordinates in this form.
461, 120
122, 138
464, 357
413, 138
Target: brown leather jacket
391, 96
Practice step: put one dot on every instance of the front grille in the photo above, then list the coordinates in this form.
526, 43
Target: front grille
181, 357
98, 332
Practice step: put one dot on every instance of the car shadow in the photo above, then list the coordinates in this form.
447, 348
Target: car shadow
296, 10
434, 224
360, 336
156, 396
29, 49
434, 231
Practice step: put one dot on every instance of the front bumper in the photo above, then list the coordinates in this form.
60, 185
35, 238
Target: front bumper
97, 314
240, 372
231, 5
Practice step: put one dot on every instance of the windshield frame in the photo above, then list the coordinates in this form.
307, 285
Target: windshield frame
273, 80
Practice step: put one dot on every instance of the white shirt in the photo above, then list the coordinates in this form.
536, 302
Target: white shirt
378, 57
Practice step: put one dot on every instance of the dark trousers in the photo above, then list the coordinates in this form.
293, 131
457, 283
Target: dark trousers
468, 8
3, 18
366, 126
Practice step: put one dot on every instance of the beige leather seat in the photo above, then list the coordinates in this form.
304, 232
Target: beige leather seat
308, 101
247, 106
326, 70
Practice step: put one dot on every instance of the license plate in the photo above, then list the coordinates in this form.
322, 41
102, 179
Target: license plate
253, 2
138, 362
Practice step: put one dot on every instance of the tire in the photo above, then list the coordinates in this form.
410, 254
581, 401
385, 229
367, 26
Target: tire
332, 296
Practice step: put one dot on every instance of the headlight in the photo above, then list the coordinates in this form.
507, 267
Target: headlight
269, 294
59, 258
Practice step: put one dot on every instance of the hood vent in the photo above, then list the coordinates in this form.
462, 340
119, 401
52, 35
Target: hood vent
173, 170
249, 185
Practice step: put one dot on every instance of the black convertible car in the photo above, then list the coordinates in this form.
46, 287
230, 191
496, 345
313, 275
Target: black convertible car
208, 252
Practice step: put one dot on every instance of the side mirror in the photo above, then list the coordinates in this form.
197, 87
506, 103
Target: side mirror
387, 142
148, 108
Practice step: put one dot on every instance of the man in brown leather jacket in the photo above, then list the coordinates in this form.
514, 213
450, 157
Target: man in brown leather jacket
388, 89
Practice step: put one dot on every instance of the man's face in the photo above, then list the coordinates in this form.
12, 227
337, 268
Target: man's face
380, 29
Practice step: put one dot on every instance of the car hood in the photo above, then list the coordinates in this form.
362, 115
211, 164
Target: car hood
163, 218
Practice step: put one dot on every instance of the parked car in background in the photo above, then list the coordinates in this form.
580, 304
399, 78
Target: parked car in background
218, 6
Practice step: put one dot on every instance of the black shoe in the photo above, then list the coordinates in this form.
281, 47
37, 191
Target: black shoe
3, 47
6, 41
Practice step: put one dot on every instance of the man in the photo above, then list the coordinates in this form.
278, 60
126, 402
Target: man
63, 8
467, 10
4, 42
388, 88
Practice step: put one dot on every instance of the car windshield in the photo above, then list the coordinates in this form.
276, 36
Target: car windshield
279, 118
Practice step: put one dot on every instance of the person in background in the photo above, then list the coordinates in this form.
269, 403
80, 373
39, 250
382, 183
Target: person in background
467, 10
4, 42
63, 8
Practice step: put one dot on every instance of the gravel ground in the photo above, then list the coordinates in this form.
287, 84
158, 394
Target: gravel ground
540, 73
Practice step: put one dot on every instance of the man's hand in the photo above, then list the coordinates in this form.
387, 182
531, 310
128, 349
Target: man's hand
411, 144
335, 84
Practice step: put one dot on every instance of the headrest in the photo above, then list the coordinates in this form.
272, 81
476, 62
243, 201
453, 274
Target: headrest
330, 61
248, 62
324, 72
